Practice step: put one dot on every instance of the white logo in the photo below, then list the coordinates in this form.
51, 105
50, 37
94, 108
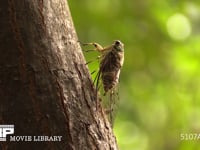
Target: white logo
9, 129
5, 130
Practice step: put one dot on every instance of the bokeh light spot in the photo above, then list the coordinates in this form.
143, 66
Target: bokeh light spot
178, 27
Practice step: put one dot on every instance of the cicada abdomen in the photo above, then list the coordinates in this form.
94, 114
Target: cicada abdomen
111, 61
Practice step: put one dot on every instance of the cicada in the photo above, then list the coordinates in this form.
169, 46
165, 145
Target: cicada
111, 60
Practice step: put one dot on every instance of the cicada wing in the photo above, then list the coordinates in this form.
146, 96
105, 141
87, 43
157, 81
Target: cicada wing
111, 104
109, 76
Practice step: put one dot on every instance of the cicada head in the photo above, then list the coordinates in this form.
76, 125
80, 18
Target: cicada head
118, 45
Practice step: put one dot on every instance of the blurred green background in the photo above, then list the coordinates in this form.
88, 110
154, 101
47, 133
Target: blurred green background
160, 81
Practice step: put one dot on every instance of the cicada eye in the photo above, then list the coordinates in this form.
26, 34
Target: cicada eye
119, 46
117, 42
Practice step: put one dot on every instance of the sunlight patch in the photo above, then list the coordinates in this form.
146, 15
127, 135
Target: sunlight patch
178, 27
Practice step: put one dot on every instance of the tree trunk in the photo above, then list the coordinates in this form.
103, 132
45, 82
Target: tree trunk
45, 87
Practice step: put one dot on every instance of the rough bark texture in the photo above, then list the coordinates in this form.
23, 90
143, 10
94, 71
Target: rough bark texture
45, 87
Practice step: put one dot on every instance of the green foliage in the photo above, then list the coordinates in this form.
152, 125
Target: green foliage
160, 79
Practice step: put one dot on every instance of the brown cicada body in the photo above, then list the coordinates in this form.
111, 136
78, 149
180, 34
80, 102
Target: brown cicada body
110, 66
111, 61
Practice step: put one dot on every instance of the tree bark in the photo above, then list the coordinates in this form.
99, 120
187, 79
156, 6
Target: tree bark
45, 86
